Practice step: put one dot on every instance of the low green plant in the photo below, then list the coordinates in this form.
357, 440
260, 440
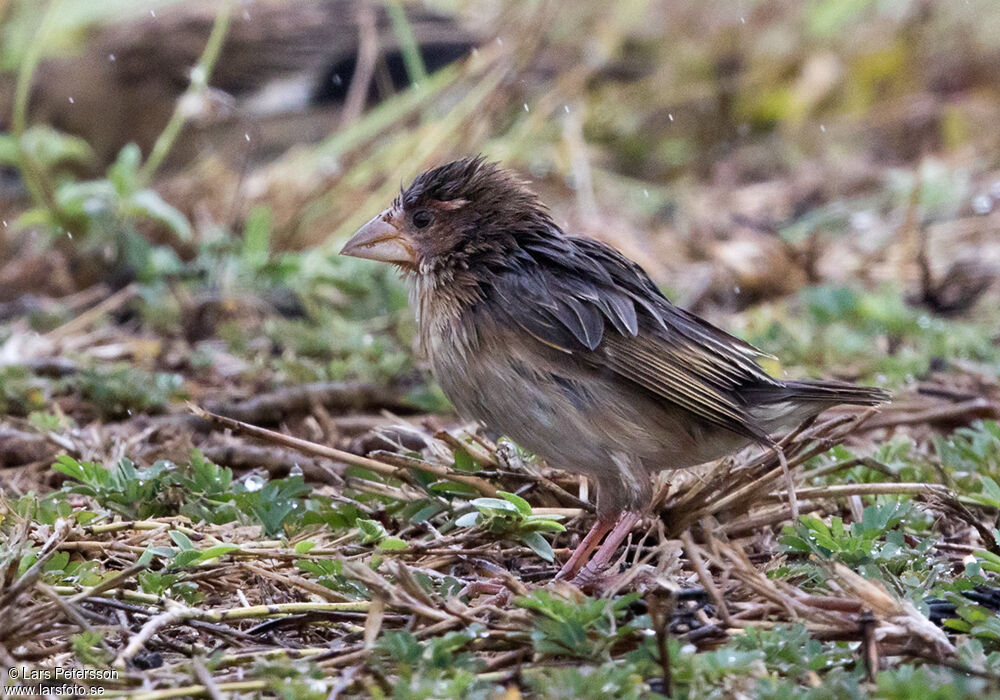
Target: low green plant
584, 629
510, 517
202, 491
439, 667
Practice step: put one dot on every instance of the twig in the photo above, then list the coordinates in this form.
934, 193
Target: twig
966, 411
691, 549
200, 74
274, 406
211, 687
364, 69
841, 490
29, 577
332, 453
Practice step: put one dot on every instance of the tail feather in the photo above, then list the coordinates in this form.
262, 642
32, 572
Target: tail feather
790, 403
829, 392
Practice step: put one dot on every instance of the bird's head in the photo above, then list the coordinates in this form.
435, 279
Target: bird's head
466, 215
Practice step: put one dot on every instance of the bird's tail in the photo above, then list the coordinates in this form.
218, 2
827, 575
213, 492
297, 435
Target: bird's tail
784, 405
829, 392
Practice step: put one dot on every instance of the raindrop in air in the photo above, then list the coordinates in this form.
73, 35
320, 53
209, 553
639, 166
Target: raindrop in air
743, 20
111, 57
70, 236
526, 107
152, 13
247, 137
983, 204
645, 193
253, 483
72, 101
822, 127
336, 79
670, 116
566, 109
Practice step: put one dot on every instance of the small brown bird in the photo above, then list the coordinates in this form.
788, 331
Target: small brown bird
567, 347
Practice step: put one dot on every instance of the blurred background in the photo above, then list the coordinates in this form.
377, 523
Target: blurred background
176, 178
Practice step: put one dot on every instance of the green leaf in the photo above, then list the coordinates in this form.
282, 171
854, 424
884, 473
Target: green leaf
371, 530
124, 172
468, 520
539, 545
149, 204
70, 467
9, 152
181, 540
217, 551
304, 546
185, 558
392, 544
522, 505
495, 504
257, 237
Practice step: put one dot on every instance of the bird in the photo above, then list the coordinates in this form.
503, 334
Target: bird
568, 348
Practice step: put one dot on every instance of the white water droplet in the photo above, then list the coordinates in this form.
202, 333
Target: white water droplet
736, 289
152, 13
111, 57
822, 127
69, 235
645, 193
499, 41
247, 137
253, 483
743, 20
566, 109
72, 101
5, 223
982, 204
670, 116
336, 79
526, 107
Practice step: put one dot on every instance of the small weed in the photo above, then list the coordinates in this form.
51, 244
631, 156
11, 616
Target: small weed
510, 516
584, 629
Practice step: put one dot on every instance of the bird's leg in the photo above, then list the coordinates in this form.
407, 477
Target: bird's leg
587, 545
607, 550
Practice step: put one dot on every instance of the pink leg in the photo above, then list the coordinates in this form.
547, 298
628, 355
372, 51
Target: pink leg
587, 545
608, 549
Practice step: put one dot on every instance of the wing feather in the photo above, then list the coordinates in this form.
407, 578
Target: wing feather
585, 299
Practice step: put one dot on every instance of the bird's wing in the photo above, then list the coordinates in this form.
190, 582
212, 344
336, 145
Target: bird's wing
585, 299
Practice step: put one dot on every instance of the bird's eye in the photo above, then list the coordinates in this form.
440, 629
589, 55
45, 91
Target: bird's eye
422, 218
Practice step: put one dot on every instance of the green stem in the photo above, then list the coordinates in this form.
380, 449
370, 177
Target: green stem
407, 41
34, 178
200, 74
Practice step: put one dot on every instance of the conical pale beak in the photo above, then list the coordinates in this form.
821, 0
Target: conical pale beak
380, 240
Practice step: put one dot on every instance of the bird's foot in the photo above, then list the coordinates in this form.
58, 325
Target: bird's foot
584, 573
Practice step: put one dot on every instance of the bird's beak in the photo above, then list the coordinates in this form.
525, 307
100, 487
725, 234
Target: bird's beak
380, 240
